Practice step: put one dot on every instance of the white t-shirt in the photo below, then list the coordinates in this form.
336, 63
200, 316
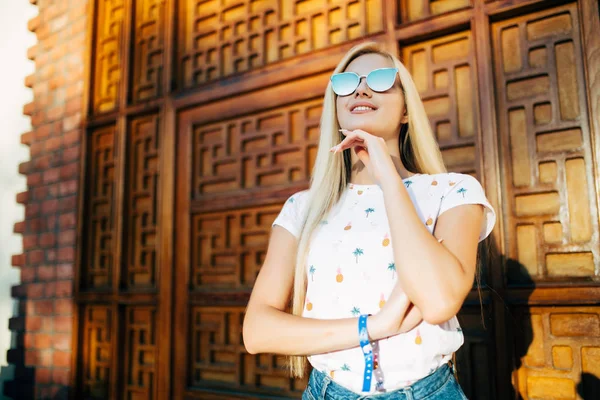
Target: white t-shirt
351, 271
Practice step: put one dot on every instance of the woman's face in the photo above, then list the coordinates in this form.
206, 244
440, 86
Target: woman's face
387, 108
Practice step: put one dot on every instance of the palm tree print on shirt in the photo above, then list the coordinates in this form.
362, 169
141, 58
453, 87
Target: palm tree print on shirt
392, 267
408, 183
462, 191
358, 252
312, 272
355, 311
369, 210
345, 367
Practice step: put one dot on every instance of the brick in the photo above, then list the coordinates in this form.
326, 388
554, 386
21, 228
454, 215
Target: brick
47, 324
43, 341
31, 357
38, 119
62, 376
45, 357
19, 227
29, 340
56, 112
68, 220
43, 131
31, 52
32, 210
34, 179
41, 162
33, 23
35, 257
61, 358
47, 240
34, 224
67, 237
18, 291
30, 241
43, 375
68, 187
63, 307
50, 223
68, 203
30, 80
28, 274
36, 148
35, 291
63, 324
64, 288
46, 272
29, 108
27, 138
25, 167
23, 197
50, 206
71, 122
33, 323
53, 174
64, 271
59, 23
51, 255
44, 307
53, 144
53, 190
50, 289
18, 260
69, 171
72, 137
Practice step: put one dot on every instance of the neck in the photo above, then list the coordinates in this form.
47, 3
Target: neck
360, 175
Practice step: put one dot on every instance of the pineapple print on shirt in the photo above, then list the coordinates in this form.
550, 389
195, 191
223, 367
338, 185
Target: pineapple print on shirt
350, 271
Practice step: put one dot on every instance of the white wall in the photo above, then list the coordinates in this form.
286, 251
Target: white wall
15, 39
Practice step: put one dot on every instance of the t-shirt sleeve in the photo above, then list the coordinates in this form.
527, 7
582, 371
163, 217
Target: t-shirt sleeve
467, 190
292, 214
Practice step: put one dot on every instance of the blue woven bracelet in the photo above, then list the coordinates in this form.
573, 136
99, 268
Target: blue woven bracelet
363, 337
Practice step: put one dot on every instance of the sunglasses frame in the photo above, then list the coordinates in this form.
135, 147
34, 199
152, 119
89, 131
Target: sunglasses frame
360, 77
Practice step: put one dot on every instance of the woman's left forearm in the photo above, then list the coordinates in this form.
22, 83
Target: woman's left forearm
430, 274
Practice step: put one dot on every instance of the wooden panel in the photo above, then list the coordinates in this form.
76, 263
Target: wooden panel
413, 10
544, 128
228, 248
217, 40
443, 71
148, 50
554, 347
139, 233
98, 263
475, 359
140, 356
107, 55
263, 150
97, 351
217, 356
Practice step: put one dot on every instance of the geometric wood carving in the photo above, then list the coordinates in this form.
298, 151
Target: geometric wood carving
267, 149
443, 70
141, 203
217, 40
543, 125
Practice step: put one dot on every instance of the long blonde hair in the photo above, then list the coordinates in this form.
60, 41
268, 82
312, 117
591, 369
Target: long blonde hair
419, 152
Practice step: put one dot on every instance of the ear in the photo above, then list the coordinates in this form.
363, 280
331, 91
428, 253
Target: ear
404, 119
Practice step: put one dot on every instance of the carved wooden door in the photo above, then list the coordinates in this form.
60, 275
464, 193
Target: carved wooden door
204, 118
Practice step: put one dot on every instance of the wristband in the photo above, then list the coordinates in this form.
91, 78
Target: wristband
363, 337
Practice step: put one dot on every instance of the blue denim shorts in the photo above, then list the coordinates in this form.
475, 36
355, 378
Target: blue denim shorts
437, 386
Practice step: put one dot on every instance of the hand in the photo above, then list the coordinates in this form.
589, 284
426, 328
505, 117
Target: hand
372, 151
388, 321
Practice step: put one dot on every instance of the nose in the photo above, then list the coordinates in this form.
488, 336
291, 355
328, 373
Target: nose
363, 89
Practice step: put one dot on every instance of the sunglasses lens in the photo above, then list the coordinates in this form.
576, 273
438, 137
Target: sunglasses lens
344, 83
381, 80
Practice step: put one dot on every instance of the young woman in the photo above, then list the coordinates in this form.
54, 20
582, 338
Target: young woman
378, 254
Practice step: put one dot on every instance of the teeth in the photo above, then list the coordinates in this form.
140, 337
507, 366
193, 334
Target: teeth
362, 108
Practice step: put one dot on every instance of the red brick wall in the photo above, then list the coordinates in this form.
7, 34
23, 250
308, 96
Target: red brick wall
44, 326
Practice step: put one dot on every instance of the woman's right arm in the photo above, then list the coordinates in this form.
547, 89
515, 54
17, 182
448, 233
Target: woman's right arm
268, 328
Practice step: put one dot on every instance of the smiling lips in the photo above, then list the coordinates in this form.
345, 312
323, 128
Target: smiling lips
362, 108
